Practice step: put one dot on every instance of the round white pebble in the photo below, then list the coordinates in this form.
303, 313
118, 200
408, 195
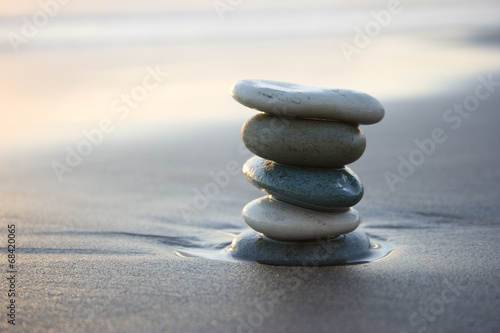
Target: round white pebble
282, 221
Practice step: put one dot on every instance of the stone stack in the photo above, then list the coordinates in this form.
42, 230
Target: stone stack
303, 140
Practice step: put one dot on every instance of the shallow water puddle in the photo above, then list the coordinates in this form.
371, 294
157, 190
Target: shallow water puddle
320, 256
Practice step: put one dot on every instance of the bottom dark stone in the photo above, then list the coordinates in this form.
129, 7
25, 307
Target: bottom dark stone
351, 248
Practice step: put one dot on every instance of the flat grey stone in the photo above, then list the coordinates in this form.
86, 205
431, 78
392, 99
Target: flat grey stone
313, 188
294, 100
283, 221
303, 142
353, 247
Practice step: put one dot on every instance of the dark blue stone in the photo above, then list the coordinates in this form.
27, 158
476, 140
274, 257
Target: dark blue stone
313, 188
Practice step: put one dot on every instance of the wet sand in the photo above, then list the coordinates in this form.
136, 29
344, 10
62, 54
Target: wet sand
97, 251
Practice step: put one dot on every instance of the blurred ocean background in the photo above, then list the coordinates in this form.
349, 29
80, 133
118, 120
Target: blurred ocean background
84, 55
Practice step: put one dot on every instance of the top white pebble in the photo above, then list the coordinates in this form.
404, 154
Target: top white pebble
294, 100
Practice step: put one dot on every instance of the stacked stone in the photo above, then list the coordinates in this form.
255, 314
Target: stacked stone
303, 140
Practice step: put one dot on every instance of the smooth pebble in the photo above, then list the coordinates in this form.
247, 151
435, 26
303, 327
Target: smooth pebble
282, 221
303, 142
294, 100
313, 188
350, 248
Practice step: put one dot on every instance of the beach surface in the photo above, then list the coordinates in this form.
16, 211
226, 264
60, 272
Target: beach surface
97, 252
98, 242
